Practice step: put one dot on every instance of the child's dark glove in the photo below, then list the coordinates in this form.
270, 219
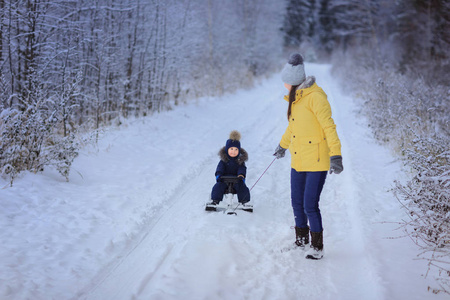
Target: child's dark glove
279, 152
336, 164
241, 177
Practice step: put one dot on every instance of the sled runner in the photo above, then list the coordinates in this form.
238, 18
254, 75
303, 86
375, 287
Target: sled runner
230, 207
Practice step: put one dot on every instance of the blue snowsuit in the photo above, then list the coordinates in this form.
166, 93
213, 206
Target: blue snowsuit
231, 166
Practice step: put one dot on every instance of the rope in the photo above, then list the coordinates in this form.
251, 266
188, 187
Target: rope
263, 173
234, 210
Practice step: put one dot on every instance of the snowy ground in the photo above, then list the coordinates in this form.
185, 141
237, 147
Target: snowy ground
130, 224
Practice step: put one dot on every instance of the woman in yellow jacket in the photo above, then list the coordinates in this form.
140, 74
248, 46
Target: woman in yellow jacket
315, 149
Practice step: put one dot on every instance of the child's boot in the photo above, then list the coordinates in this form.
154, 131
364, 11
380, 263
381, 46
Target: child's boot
212, 206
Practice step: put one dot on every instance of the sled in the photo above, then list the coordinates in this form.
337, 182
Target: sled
227, 205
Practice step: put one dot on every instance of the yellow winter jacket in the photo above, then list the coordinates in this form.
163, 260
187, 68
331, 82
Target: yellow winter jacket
311, 134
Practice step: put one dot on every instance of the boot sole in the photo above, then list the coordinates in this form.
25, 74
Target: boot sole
313, 257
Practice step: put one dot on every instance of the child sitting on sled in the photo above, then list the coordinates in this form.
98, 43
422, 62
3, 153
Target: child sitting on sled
232, 163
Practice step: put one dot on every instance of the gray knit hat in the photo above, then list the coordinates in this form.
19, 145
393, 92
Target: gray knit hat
294, 72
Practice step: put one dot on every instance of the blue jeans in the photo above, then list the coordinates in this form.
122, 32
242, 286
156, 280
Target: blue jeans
305, 195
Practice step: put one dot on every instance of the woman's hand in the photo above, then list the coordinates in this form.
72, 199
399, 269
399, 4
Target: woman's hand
336, 164
279, 152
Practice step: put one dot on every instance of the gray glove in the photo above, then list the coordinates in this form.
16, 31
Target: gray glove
279, 152
336, 164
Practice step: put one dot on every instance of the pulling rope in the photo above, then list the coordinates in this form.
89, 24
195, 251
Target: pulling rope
234, 210
263, 173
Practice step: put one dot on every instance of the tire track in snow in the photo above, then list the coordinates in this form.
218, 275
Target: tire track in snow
348, 193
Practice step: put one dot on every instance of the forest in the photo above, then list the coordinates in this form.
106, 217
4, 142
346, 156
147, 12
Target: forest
69, 69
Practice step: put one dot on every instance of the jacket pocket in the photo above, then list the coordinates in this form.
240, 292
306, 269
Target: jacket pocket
310, 140
310, 149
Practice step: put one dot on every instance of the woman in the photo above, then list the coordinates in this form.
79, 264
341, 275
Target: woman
315, 148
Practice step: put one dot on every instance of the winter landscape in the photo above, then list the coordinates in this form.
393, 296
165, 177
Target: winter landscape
112, 114
130, 223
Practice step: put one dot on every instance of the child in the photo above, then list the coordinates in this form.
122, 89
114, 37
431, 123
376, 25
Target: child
232, 163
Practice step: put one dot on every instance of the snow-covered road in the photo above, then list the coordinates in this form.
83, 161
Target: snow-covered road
130, 224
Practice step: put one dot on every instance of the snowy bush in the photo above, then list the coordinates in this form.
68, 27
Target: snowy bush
37, 136
23, 135
426, 197
28, 142
411, 114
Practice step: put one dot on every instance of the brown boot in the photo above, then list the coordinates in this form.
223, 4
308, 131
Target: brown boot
301, 236
316, 250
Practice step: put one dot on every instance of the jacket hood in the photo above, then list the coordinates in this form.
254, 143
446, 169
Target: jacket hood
241, 158
307, 87
309, 81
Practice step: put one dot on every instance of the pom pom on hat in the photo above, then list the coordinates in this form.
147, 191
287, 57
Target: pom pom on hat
293, 72
235, 135
234, 140
296, 59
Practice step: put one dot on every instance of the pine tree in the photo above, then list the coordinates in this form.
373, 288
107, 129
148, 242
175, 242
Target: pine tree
296, 23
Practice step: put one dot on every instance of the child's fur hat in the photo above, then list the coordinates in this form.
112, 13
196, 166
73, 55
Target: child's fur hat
233, 141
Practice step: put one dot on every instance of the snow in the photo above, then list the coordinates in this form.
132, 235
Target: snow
131, 223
